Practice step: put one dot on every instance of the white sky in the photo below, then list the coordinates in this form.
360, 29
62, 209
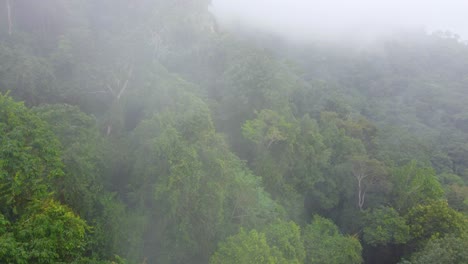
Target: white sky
334, 17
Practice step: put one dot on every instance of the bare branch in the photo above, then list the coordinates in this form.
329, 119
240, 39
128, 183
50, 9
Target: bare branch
96, 92
124, 87
110, 89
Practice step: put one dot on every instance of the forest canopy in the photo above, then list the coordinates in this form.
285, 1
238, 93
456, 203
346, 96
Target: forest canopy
143, 132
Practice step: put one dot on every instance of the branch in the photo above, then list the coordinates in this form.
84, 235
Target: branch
270, 142
130, 73
361, 204
95, 92
110, 89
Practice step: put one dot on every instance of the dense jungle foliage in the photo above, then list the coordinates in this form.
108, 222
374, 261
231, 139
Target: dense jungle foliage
140, 131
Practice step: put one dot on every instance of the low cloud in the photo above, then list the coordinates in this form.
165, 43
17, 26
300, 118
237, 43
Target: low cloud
333, 18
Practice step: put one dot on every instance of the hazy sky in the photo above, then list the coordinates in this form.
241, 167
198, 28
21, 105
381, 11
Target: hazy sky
334, 17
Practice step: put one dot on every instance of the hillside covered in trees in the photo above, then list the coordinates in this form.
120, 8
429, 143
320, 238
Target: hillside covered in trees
143, 132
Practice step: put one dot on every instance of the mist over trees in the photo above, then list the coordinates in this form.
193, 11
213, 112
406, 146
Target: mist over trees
143, 132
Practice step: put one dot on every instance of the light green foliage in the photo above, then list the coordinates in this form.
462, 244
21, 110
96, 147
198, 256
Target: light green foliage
29, 157
274, 136
435, 220
268, 128
324, 244
286, 236
385, 226
51, 233
35, 228
247, 247
414, 185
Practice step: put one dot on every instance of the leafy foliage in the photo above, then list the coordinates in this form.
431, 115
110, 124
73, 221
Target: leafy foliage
167, 135
244, 247
286, 236
324, 243
385, 226
450, 249
29, 157
435, 220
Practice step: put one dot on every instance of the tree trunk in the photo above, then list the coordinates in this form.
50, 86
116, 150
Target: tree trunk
360, 175
109, 130
117, 91
361, 194
10, 26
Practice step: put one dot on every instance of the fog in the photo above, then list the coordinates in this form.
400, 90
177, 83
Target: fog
301, 19
281, 131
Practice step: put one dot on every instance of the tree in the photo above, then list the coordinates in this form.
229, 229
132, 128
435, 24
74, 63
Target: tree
40, 229
10, 22
249, 248
47, 233
10, 249
197, 190
413, 185
82, 186
51, 233
449, 249
286, 237
80, 153
273, 135
384, 226
435, 220
324, 244
29, 158
268, 128
369, 173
